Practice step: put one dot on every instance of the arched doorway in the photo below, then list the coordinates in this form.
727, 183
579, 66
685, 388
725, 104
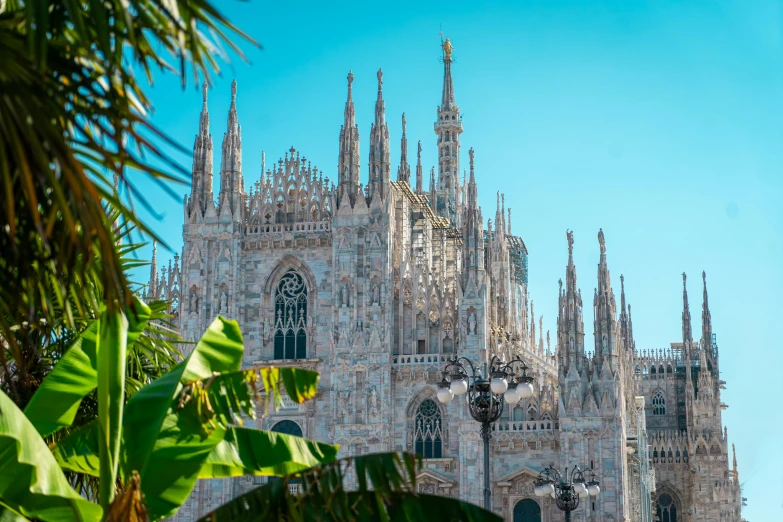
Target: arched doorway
288, 427
527, 510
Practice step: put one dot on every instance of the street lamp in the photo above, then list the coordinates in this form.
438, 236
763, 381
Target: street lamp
566, 493
507, 382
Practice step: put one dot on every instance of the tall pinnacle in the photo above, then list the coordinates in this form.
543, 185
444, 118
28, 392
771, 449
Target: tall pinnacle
404, 171
203, 126
231, 183
448, 84
201, 188
604, 305
380, 165
687, 333
706, 319
153, 270
348, 164
350, 111
419, 172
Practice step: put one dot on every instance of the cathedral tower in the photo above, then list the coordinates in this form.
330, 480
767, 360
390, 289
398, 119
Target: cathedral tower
448, 128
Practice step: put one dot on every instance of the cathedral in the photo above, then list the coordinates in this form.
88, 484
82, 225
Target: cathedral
376, 282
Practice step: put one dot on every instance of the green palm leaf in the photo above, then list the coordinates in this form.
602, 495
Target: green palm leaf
31, 482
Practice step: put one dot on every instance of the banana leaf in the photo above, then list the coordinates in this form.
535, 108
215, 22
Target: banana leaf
386, 492
31, 483
55, 403
246, 451
168, 449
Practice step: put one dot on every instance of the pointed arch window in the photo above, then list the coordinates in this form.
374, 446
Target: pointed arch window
291, 317
428, 430
666, 509
659, 403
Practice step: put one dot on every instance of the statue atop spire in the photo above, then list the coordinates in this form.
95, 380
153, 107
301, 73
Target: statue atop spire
601, 241
447, 48
570, 238
233, 93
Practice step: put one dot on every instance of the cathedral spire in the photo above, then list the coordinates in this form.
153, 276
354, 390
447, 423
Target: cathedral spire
734, 471
448, 127
232, 186
380, 165
201, 188
687, 333
152, 287
604, 306
472, 229
570, 324
448, 85
348, 164
706, 319
404, 171
419, 174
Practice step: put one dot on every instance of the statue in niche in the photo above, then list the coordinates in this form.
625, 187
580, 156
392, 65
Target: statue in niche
223, 302
344, 402
376, 294
266, 331
472, 324
190, 302
372, 401
342, 296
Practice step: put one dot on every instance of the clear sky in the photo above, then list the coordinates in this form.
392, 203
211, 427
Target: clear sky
659, 121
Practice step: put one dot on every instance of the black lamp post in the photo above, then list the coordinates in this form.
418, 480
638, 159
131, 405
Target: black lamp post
507, 382
566, 492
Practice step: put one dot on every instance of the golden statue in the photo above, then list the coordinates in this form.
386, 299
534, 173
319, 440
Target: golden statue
447, 49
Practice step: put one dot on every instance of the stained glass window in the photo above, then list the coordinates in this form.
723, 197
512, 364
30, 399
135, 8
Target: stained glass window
291, 317
666, 510
659, 403
427, 430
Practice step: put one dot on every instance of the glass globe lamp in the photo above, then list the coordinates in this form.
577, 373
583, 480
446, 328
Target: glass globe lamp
525, 390
499, 385
445, 395
511, 395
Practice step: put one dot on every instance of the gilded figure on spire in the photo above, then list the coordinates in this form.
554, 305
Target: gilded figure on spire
447, 49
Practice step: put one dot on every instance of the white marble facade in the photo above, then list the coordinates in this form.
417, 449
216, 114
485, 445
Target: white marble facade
374, 285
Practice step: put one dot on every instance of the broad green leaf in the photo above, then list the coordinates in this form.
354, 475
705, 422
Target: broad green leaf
55, 403
112, 345
78, 451
299, 384
166, 448
246, 451
31, 482
388, 496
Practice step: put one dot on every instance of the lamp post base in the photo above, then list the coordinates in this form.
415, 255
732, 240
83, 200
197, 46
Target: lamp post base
567, 515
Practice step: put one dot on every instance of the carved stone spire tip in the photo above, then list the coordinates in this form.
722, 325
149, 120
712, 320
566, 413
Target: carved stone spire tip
234, 91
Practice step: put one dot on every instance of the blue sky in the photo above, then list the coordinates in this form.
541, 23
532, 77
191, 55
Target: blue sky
659, 121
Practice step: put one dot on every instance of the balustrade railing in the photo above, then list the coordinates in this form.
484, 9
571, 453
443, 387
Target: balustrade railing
421, 359
531, 425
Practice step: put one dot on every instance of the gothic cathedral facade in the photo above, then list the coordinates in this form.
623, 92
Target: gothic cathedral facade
375, 285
